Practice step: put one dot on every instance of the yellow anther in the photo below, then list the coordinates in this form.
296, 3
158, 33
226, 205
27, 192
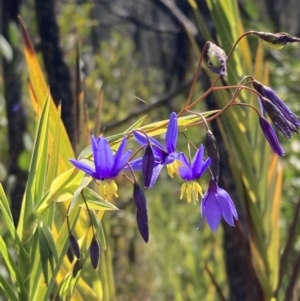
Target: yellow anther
192, 189
108, 189
172, 168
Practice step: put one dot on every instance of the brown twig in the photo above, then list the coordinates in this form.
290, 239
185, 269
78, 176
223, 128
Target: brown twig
213, 280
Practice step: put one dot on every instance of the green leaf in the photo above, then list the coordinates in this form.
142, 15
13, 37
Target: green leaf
4, 206
12, 267
137, 124
8, 290
46, 256
99, 229
95, 201
36, 176
86, 180
48, 250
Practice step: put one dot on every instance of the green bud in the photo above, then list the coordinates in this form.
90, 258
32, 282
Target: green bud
216, 59
277, 40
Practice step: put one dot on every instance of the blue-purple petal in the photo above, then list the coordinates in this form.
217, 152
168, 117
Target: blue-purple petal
211, 211
233, 209
96, 156
142, 139
185, 170
172, 133
117, 168
205, 166
156, 171
106, 159
170, 158
85, 167
135, 164
197, 163
120, 159
225, 205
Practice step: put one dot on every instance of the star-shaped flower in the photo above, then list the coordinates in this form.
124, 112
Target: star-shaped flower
191, 172
106, 166
164, 156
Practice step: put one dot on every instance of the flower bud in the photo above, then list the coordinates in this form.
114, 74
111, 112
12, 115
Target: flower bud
95, 252
269, 94
285, 126
70, 254
140, 200
74, 245
143, 226
141, 214
271, 136
148, 165
277, 40
216, 59
213, 152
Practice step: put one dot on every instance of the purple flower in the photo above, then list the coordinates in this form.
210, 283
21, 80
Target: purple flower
106, 165
271, 136
163, 156
191, 172
283, 125
276, 100
215, 204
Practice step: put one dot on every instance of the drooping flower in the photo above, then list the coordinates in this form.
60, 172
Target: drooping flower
216, 204
106, 166
271, 136
269, 94
163, 156
191, 172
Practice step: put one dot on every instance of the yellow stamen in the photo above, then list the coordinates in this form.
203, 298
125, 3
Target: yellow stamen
172, 168
192, 190
108, 190
182, 190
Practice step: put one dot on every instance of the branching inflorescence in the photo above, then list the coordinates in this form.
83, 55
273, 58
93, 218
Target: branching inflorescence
107, 164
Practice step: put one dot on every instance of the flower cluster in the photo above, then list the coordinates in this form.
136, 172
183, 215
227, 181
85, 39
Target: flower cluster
106, 166
283, 118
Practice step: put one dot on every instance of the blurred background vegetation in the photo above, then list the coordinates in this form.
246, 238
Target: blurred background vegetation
140, 58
